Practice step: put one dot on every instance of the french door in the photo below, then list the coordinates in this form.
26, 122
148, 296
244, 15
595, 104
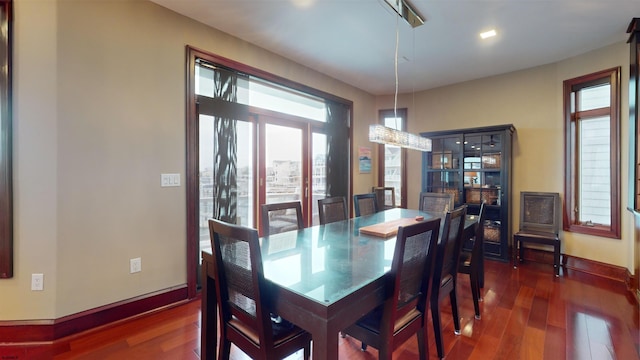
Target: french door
278, 158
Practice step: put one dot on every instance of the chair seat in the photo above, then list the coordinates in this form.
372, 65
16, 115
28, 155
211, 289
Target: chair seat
538, 236
281, 333
371, 321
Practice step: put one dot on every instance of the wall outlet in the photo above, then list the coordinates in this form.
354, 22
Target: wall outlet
135, 265
37, 282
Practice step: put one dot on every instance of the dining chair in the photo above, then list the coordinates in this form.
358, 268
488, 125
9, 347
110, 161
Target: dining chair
404, 313
436, 202
332, 209
446, 271
386, 196
539, 224
280, 217
365, 204
245, 315
472, 262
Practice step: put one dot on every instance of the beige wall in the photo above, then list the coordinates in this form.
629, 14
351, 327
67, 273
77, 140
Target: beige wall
99, 114
531, 100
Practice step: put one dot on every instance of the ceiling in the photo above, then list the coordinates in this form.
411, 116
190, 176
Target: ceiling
355, 40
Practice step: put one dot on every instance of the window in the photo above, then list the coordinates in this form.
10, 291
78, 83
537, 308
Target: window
592, 154
392, 159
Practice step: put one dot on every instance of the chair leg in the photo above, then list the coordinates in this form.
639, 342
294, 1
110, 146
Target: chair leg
363, 346
481, 274
454, 310
556, 258
515, 252
423, 344
437, 330
520, 251
475, 292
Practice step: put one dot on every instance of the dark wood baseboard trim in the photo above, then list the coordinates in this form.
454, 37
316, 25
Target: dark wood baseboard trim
613, 272
34, 331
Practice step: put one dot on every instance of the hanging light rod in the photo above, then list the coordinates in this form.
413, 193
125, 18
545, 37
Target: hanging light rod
406, 11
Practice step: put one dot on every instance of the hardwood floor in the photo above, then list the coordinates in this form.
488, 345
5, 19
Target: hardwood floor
526, 314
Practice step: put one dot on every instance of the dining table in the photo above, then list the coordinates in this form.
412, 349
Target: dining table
322, 278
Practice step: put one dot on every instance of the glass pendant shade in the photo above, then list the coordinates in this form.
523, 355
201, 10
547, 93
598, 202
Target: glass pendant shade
386, 135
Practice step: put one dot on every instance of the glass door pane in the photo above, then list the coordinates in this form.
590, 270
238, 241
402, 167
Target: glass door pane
393, 161
283, 164
207, 166
318, 173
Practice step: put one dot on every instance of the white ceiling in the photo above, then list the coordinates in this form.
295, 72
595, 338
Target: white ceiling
355, 40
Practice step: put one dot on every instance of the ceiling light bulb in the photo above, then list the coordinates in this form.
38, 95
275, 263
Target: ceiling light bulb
488, 34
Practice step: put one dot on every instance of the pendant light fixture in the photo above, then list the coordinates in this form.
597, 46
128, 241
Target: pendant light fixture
385, 135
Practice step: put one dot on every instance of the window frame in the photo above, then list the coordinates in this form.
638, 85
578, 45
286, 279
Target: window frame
571, 119
402, 114
6, 135
192, 150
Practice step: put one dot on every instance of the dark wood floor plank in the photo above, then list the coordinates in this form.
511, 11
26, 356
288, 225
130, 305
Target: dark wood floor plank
555, 343
527, 313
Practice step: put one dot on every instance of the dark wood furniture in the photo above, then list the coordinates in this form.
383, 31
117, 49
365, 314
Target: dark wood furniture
386, 197
323, 278
365, 204
280, 217
332, 209
539, 224
634, 153
472, 262
445, 272
474, 165
404, 313
242, 295
436, 202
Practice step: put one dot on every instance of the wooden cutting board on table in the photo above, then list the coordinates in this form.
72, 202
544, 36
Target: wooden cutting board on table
387, 229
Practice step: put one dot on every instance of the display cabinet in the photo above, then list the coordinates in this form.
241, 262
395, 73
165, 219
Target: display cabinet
474, 165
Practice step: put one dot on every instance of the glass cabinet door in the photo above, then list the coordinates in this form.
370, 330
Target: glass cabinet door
443, 166
481, 177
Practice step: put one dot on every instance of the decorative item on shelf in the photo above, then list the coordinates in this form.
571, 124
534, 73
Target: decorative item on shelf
491, 160
385, 135
492, 231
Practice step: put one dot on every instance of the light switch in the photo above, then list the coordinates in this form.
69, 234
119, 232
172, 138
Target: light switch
169, 180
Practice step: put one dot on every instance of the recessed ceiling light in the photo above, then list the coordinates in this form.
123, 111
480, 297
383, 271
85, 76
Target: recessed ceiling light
488, 34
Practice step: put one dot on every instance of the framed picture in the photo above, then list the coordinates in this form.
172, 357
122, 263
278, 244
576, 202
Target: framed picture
364, 160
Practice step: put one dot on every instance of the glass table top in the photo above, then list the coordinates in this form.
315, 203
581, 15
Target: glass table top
328, 262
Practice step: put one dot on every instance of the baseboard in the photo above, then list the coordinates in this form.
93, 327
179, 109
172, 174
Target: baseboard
34, 331
613, 272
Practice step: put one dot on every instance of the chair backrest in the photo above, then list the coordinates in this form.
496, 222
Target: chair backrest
281, 217
385, 196
365, 204
449, 245
411, 268
540, 211
332, 209
239, 277
436, 202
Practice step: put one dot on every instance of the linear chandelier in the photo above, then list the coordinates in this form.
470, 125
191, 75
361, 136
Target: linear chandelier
389, 136
385, 135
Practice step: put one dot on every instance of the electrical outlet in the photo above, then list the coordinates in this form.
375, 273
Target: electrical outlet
135, 265
37, 282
